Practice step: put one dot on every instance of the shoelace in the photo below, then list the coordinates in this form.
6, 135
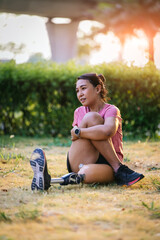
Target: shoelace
126, 169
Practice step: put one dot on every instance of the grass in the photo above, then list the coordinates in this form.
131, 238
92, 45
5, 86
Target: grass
4, 217
155, 211
28, 214
77, 212
156, 183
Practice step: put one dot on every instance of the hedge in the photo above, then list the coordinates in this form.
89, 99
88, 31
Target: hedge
39, 99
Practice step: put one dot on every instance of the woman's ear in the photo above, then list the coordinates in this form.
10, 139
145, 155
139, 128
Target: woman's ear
98, 88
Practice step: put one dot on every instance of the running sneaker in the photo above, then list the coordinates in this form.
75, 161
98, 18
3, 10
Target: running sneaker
126, 176
72, 178
41, 179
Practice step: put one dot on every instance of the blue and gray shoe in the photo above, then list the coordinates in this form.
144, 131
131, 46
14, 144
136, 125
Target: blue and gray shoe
41, 179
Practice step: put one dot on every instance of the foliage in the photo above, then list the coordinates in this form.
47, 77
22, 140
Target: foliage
87, 43
36, 57
156, 183
124, 17
4, 217
40, 99
12, 47
155, 212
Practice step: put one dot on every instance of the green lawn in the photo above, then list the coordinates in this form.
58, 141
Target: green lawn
77, 212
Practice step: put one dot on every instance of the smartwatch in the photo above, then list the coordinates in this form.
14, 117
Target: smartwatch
77, 132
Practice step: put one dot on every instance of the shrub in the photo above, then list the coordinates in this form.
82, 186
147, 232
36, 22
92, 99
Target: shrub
39, 99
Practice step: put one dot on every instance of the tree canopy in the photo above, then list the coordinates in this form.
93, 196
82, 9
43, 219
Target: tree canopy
123, 17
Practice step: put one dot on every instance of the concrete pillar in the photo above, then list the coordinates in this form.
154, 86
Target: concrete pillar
63, 40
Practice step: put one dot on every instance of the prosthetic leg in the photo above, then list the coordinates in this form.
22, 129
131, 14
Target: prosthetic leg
42, 179
70, 178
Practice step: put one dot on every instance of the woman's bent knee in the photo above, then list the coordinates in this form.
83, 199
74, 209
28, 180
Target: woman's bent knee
91, 119
84, 169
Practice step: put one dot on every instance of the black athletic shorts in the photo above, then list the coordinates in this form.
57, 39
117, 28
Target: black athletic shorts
100, 160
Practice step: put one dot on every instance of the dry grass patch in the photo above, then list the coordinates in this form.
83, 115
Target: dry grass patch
78, 212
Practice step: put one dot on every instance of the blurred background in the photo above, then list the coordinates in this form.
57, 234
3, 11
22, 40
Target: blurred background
92, 31
45, 45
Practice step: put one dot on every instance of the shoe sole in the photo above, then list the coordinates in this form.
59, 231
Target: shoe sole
37, 163
135, 181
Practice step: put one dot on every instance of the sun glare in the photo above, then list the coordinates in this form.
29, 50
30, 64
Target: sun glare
135, 51
31, 31
109, 49
86, 26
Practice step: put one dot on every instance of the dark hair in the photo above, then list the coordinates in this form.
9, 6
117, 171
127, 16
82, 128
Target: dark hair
95, 80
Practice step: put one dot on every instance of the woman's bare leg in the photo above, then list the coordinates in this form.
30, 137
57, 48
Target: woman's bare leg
107, 150
86, 152
101, 173
82, 151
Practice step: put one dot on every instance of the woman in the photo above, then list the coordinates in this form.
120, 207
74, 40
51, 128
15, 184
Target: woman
96, 152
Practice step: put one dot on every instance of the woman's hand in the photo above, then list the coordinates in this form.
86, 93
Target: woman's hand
73, 135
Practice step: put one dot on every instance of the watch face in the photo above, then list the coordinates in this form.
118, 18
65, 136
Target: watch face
77, 131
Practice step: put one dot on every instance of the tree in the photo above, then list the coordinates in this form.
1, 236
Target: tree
36, 57
12, 47
123, 17
86, 43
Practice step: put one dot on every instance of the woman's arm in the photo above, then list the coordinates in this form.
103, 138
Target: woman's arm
99, 132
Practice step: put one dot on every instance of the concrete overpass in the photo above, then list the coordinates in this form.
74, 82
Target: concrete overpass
62, 37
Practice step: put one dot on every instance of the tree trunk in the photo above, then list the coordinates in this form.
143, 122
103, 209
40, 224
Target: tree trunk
151, 48
150, 35
120, 57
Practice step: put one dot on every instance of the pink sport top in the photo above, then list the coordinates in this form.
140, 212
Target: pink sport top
108, 111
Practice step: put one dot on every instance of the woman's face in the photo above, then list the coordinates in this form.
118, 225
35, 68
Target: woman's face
87, 94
